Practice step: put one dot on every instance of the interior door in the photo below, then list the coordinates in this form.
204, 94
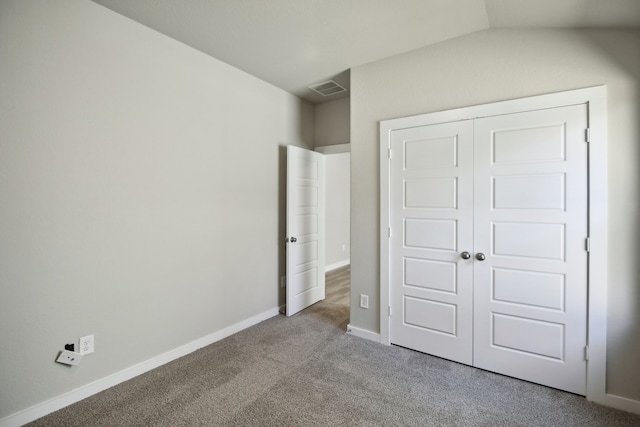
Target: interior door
431, 225
530, 222
305, 228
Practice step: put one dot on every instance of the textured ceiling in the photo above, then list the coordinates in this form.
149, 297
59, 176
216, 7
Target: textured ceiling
296, 43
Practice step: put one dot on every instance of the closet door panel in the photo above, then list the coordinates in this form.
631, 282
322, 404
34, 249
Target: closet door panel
431, 214
530, 222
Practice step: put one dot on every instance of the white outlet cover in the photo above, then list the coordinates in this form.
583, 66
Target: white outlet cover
364, 301
69, 358
85, 345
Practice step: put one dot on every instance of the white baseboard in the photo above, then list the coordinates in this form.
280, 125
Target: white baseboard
66, 399
622, 403
363, 333
328, 268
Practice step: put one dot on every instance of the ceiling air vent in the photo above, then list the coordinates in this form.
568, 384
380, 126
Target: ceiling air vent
327, 88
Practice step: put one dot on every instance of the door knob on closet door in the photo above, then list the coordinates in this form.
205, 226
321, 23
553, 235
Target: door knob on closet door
480, 256
293, 240
465, 255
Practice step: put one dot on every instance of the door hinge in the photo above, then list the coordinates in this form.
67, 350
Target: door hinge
586, 352
389, 153
389, 232
587, 135
587, 244
389, 311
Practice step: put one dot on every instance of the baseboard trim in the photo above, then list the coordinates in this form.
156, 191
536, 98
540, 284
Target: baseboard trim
336, 265
66, 399
363, 333
622, 403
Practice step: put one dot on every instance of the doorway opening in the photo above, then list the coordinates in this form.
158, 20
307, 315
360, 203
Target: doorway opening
338, 232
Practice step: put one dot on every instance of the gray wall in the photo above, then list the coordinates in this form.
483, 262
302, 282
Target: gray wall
141, 194
338, 196
332, 123
492, 66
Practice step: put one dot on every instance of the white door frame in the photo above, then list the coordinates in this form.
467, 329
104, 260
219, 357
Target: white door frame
595, 99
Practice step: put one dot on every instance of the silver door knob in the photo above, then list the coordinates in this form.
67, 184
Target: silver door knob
465, 255
293, 240
480, 256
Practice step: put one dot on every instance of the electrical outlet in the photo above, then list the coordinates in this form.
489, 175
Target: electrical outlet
67, 357
86, 344
364, 301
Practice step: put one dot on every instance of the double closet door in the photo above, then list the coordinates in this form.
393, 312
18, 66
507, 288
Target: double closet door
488, 263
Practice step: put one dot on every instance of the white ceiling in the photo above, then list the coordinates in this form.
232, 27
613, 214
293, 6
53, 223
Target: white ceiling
295, 43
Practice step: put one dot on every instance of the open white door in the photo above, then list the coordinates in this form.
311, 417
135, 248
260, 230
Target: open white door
305, 228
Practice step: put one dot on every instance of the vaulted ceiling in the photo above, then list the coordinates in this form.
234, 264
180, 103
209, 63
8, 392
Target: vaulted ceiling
296, 43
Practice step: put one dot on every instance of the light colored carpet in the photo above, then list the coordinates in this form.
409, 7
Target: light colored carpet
305, 371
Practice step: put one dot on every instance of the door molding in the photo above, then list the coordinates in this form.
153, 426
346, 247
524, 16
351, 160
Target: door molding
595, 99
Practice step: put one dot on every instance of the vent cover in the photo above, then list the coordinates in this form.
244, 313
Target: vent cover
327, 88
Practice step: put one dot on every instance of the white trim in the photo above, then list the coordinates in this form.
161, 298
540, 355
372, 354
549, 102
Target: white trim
66, 399
598, 252
334, 149
363, 333
337, 265
595, 98
622, 403
385, 224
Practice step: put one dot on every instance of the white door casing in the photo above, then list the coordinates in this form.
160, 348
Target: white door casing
543, 214
305, 238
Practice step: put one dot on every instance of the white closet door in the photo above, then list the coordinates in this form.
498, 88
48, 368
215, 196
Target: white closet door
530, 222
431, 216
